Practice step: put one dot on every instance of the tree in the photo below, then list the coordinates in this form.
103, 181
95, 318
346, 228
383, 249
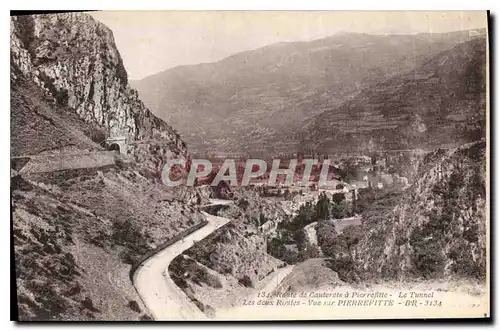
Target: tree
351, 235
286, 194
322, 207
262, 219
338, 198
340, 210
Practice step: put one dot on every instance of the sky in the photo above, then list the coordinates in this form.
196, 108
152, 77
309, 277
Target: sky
153, 41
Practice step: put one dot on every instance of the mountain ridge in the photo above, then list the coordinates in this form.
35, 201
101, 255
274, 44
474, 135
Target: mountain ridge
415, 115
286, 43
244, 102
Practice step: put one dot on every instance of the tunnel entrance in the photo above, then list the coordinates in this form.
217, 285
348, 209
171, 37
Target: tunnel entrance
117, 144
114, 147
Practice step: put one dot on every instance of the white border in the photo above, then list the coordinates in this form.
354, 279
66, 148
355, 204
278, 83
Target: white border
188, 5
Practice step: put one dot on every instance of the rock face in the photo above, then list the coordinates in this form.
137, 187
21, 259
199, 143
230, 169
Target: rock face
75, 60
439, 228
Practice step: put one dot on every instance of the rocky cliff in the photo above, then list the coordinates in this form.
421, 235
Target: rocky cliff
439, 227
75, 60
84, 216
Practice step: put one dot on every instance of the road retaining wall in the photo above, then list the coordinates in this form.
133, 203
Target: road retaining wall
51, 163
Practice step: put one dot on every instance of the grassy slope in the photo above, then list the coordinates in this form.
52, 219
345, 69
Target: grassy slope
38, 125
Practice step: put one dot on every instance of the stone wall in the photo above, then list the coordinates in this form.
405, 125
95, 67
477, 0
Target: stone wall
51, 163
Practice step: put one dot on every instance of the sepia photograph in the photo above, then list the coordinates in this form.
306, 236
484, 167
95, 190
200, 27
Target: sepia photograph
250, 165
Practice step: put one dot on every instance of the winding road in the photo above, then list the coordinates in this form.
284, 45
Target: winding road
163, 298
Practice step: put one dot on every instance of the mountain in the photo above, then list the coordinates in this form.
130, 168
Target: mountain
442, 101
82, 214
262, 99
74, 60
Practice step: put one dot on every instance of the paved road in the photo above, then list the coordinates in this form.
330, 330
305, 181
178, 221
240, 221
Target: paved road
313, 236
163, 298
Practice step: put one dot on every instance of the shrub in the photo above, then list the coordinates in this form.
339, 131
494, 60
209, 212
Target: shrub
19, 183
276, 248
132, 304
340, 210
428, 261
344, 267
74, 290
146, 317
125, 233
243, 204
338, 197
246, 281
88, 304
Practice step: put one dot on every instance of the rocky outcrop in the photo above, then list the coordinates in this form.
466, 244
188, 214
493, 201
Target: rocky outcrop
439, 228
75, 60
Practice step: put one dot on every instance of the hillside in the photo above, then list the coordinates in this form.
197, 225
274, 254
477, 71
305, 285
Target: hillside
85, 212
443, 101
252, 100
77, 230
37, 125
438, 229
77, 234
